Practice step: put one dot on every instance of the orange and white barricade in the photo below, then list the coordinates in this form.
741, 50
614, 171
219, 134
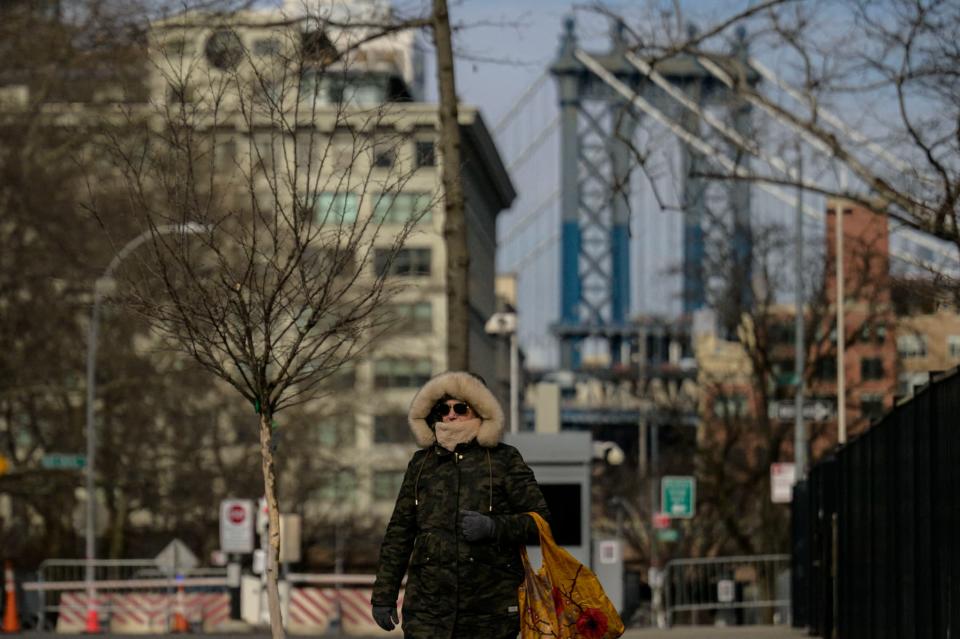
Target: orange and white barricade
357, 615
210, 609
311, 610
72, 611
137, 613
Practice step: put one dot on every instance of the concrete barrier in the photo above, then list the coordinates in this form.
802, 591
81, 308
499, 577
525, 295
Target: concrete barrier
357, 614
138, 613
311, 610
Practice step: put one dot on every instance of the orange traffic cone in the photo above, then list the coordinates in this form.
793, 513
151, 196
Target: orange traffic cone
11, 620
179, 616
93, 618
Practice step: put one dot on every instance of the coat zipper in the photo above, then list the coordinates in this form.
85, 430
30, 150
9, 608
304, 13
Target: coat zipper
456, 533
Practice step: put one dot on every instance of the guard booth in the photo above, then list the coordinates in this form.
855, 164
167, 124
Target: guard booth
561, 463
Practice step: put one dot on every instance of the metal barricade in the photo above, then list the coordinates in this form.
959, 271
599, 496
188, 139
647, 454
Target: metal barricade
129, 591
728, 590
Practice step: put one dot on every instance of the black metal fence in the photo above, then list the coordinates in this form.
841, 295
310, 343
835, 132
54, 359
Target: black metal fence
876, 527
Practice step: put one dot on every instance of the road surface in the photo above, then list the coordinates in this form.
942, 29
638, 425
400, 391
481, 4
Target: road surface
698, 632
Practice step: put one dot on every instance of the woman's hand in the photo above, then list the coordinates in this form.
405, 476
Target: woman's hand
476, 526
386, 617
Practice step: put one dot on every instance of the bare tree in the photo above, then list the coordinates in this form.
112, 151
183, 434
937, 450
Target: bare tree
739, 379
868, 87
273, 168
455, 224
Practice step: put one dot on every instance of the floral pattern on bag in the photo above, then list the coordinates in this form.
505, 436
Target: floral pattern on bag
564, 599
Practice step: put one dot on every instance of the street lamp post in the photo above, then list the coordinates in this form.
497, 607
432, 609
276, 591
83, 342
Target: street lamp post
506, 324
99, 287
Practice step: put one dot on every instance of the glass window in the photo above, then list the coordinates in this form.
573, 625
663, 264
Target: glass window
336, 431
871, 406
263, 150
401, 373
783, 373
226, 153
339, 486
401, 207
383, 158
338, 208
871, 368
409, 262
180, 93
179, 48
953, 346
413, 317
826, 368
266, 46
425, 153
730, 406
912, 345
391, 428
782, 334
314, 86
386, 484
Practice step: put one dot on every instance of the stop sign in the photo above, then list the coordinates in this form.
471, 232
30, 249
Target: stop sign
236, 526
237, 513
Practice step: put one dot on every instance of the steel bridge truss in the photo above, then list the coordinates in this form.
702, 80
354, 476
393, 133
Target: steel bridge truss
599, 98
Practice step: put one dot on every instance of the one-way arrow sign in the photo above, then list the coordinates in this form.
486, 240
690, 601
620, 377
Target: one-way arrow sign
816, 410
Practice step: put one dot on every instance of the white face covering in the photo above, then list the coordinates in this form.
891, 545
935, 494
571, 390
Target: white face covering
461, 431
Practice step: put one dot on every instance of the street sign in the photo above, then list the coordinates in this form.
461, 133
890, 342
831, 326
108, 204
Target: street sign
661, 520
61, 461
782, 478
263, 516
609, 551
668, 535
678, 496
726, 591
289, 538
236, 526
176, 558
814, 410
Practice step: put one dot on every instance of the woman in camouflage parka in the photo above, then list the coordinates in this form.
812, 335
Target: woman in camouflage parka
459, 522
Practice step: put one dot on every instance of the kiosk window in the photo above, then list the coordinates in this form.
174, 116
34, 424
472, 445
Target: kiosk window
563, 500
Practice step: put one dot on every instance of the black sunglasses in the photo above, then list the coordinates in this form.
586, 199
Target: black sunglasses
441, 409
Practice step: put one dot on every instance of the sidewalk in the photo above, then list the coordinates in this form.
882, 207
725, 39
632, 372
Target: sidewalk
716, 632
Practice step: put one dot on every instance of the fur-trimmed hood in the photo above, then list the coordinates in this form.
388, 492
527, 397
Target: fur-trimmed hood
463, 386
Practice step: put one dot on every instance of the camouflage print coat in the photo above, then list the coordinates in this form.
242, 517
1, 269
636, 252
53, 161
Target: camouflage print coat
455, 588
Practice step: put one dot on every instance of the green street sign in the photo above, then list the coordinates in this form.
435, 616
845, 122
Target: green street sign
668, 535
60, 461
678, 497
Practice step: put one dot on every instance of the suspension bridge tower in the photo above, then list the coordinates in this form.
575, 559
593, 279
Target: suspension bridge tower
602, 98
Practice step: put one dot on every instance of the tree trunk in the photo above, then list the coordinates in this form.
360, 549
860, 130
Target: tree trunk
454, 219
273, 548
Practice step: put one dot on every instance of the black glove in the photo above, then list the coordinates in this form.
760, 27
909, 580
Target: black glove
386, 617
475, 526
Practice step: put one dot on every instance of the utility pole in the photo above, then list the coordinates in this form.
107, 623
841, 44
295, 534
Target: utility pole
841, 337
799, 428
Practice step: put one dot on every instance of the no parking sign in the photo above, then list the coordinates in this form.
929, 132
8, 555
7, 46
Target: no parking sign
236, 526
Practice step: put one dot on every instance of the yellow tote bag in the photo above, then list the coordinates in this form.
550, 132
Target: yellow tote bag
564, 599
